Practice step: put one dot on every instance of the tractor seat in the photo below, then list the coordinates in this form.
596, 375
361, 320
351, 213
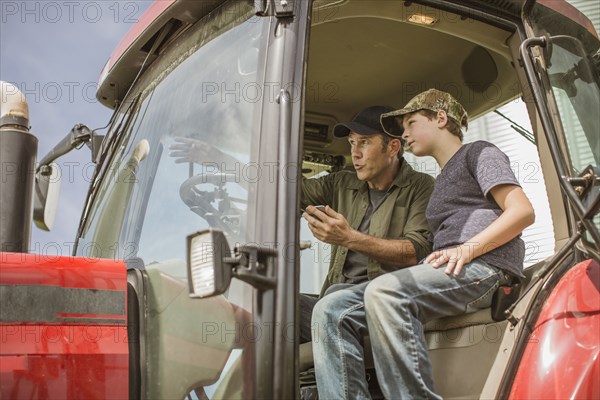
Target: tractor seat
479, 317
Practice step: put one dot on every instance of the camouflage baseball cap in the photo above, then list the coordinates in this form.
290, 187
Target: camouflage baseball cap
432, 99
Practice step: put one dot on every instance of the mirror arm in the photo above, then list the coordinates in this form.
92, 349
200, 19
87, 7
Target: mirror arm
47, 176
254, 265
79, 135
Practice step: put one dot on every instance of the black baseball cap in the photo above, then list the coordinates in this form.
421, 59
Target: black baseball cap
366, 122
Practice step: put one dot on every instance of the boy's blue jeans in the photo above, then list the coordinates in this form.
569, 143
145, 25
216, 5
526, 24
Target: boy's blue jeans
391, 310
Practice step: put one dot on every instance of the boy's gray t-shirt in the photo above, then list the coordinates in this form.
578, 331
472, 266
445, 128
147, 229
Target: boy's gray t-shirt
461, 204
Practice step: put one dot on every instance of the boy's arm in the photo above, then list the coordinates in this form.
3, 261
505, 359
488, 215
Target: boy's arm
517, 214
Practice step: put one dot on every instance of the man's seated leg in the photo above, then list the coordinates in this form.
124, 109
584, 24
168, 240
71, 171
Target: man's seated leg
307, 303
339, 325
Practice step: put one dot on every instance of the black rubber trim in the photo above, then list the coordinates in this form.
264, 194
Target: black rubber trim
39, 303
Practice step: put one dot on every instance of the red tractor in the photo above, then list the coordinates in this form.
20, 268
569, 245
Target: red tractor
154, 304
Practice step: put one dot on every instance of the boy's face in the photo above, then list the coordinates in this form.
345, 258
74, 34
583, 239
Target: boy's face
419, 133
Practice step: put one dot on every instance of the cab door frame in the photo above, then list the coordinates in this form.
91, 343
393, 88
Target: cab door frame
277, 219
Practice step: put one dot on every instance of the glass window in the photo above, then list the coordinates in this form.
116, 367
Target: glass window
578, 98
577, 95
575, 84
183, 155
180, 161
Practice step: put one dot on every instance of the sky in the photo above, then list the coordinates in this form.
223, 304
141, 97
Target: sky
53, 51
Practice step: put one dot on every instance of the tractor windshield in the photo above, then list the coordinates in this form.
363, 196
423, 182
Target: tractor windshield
179, 160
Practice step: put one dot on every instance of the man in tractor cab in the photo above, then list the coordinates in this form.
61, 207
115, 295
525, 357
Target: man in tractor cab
374, 216
476, 213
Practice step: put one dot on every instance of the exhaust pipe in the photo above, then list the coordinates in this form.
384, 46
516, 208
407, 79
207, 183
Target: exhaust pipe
18, 149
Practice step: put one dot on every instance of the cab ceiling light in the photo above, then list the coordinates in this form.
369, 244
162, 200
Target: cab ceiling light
423, 19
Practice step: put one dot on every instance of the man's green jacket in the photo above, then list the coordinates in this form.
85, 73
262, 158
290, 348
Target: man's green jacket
400, 216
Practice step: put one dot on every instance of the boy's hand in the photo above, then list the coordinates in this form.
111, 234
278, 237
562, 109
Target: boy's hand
454, 258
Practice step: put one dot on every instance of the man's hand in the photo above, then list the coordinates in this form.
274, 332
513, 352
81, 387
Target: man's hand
329, 226
454, 258
188, 150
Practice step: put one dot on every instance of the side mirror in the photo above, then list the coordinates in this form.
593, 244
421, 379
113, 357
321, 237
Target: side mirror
45, 197
47, 175
208, 274
211, 264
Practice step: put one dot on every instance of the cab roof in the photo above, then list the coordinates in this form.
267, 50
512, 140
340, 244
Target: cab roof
166, 20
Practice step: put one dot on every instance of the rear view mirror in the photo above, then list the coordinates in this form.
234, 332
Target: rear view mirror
208, 274
45, 197
211, 265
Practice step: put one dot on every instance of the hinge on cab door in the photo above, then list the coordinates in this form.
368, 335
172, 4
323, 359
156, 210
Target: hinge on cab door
277, 8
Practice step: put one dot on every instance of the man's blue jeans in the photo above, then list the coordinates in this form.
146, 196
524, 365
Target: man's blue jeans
391, 310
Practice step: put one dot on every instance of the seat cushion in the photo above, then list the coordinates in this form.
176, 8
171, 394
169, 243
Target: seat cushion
305, 359
479, 317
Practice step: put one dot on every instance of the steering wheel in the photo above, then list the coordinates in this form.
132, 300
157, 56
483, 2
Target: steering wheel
215, 206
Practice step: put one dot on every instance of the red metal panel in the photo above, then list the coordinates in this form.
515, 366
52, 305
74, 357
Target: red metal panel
63, 362
577, 292
569, 11
49, 359
68, 272
561, 360
156, 9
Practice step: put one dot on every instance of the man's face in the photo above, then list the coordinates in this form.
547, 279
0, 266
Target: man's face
369, 157
419, 133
